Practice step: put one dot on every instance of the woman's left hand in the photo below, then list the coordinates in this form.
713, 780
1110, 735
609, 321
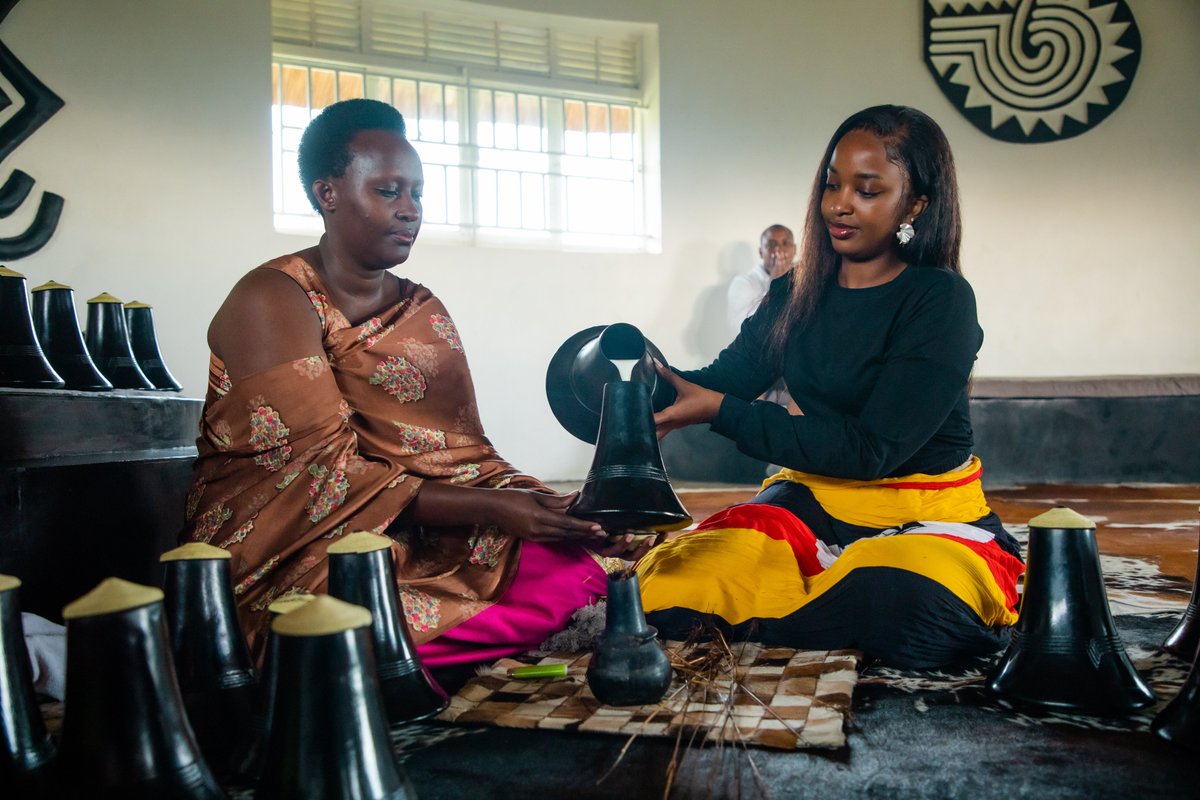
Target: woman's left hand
693, 404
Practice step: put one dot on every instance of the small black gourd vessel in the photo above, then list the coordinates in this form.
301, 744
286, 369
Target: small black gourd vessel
628, 667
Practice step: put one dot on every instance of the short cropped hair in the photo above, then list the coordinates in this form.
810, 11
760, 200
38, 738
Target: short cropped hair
325, 145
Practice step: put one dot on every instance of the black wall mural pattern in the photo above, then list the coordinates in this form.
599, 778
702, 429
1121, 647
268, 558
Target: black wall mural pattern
1032, 71
38, 105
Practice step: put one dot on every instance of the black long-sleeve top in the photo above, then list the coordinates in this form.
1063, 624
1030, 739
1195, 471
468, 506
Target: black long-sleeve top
879, 373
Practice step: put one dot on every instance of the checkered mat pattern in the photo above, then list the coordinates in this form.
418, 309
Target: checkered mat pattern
773, 697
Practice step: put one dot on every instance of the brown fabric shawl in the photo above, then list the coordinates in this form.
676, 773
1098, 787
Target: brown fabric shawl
296, 455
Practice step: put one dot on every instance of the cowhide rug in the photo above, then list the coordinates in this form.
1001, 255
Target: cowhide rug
1145, 605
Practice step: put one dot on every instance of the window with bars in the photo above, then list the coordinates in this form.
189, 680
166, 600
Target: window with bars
554, 162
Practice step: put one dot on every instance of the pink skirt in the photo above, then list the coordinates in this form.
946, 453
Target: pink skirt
552, 582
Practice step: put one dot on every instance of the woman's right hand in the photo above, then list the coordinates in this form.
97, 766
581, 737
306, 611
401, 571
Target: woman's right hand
540, 517
693, 404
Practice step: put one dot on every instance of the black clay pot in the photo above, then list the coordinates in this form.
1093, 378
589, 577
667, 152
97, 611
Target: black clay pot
1065, 652
1184, 640
139, 321
125, 733
26, 750
627, 486
1179, 722
58, 332
23, 365
361, 572
216, 676
584, 364
108, 342
328, 737
628, 666
250, 768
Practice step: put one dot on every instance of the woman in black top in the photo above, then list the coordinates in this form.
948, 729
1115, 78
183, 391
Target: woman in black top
875, 334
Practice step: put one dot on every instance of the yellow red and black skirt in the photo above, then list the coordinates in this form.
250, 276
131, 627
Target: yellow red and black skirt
916, 571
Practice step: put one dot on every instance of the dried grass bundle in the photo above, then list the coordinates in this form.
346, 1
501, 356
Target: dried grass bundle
708, 672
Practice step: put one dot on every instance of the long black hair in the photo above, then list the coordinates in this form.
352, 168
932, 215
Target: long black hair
915, 144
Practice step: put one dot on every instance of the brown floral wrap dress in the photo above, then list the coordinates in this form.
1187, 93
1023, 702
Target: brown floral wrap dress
301, 453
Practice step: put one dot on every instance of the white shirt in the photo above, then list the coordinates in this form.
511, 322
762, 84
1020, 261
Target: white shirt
746, 291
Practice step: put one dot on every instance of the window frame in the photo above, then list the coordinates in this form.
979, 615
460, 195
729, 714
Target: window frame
646, 233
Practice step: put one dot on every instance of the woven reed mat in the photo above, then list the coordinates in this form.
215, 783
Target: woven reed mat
783, 698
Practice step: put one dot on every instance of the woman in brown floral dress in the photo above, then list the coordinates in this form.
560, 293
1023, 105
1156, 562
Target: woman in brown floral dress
339, 399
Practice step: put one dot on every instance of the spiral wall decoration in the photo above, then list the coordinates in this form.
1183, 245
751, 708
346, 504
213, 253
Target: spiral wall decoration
1030, 71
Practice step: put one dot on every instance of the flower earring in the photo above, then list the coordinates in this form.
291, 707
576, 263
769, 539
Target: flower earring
905, 234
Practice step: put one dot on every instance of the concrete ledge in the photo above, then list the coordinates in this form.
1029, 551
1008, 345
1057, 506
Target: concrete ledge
91, 485
45, 424
1091, 386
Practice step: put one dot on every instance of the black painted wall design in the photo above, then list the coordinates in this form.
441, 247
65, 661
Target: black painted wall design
1032, 71
39, 104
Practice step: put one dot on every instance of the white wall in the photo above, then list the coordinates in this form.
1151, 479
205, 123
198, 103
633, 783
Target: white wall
1083, 253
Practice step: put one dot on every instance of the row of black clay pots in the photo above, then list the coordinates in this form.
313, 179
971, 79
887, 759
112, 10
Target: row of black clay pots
120, 337
131, 739
46, 350
163, 700
361, 572
127, 734
217, 679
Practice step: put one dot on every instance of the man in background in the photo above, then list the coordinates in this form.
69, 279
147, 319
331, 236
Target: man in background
777, 249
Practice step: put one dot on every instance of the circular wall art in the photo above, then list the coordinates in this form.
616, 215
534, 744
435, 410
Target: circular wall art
1032, 71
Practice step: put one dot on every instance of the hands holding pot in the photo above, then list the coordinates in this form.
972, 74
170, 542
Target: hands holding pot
693, 404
